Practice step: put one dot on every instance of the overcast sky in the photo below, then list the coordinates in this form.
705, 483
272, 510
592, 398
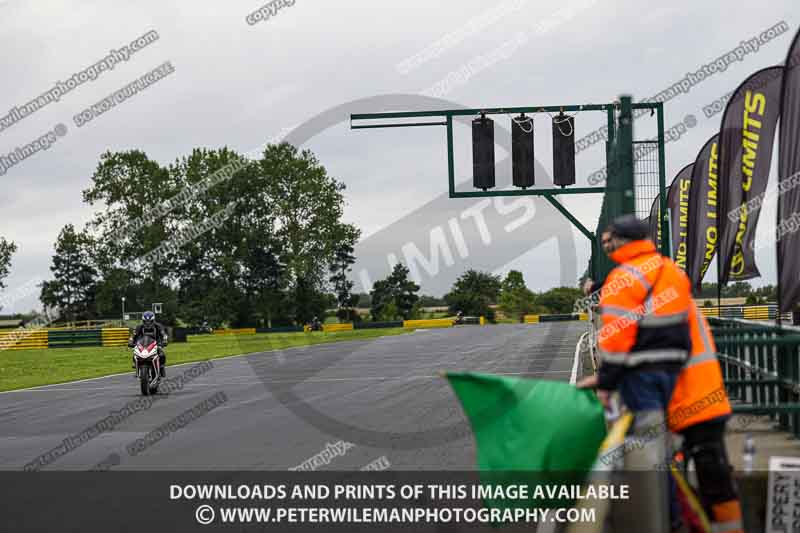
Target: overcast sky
239, 84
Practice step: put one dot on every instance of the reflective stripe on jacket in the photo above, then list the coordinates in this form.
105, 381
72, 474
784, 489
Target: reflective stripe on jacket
644, 311
699, 393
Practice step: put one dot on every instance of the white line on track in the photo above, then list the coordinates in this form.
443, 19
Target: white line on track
574, 376
268, 353
319, 380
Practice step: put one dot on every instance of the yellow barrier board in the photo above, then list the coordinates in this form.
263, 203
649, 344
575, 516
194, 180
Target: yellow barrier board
115, 336
483, 321
429, 323
23, 340
759, 312
583, 316
531, 319
331, 328
240, 331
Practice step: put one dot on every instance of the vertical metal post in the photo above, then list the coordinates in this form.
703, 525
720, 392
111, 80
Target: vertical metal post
451, 171
783, 374
662, 178
668, 238
625, 151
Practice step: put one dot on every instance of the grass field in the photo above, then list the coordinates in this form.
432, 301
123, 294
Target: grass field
30, 368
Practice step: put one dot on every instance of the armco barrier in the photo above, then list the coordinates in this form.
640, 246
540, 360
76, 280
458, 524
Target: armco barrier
429, 323
74, 338
281, 329
115, 336
21, 339
746, 312
332, 328
535, 319
375, 325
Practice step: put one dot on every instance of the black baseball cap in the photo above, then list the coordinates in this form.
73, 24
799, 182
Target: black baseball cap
629, 227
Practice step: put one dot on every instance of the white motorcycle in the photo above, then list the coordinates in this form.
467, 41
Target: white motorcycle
148, 364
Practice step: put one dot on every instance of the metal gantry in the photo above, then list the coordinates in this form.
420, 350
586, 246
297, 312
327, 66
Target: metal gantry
620, 185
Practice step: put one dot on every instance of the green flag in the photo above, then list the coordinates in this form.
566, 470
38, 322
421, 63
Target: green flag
542, 431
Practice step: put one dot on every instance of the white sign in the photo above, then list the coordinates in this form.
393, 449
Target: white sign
783, 495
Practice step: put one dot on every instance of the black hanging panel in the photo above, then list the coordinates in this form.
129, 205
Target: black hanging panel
483, 153
563, 150
522, 153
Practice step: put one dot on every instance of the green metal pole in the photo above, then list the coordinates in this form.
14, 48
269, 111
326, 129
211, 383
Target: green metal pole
575, 222
564, 211
451, 172
662, 181
625, 147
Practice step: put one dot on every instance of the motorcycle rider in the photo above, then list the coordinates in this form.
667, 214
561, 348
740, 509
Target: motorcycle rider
151, 328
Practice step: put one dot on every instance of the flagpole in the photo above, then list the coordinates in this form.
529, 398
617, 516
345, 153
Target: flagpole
777, 258
719, 265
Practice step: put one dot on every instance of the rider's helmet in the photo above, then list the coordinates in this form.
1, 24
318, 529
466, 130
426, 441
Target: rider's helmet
149, 318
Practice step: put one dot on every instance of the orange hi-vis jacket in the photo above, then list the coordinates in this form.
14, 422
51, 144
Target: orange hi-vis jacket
644, 310
699, 394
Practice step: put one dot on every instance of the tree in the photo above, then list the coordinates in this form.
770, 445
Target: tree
394, 296
708, 290
238, 242
559, 299
307, 205
73, 289
7, 250
431, 301
343, 258
363, 299
473, 293
515, 298
130, 186
740, 289
263, 284
767, 293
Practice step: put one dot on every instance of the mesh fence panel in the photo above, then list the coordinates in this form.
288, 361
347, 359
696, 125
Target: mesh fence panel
645, 175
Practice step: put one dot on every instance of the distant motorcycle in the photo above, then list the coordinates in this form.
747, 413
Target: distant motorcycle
148, 364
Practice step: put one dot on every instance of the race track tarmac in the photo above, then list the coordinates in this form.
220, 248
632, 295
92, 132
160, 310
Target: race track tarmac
276, 410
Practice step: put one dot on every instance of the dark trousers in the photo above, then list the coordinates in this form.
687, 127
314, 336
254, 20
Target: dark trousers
704, 443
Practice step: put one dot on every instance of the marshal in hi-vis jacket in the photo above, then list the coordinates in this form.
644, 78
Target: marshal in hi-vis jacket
644, 311
699, 394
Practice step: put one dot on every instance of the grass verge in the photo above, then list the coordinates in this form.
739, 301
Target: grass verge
31, 368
